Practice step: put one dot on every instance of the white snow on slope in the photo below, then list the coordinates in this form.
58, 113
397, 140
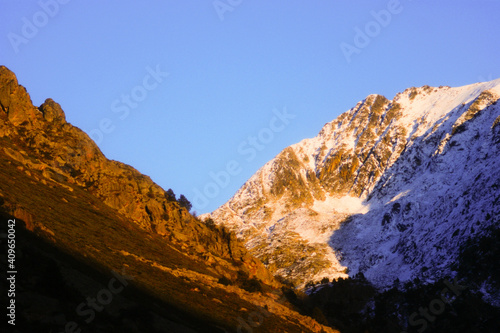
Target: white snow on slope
408, 223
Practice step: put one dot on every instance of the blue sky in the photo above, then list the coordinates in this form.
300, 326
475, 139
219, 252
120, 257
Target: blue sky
200, 94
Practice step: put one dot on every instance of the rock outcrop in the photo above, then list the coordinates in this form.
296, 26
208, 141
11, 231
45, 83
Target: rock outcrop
42, 140
80, 216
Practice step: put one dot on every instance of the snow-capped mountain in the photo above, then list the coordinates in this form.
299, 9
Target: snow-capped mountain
390, 188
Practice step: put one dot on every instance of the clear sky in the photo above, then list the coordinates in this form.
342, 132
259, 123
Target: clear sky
199, 94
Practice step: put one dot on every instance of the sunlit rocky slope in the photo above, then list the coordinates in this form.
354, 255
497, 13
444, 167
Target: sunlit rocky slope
81, 216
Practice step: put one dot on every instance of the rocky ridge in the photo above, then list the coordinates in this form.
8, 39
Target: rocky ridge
368, 192
64, 154
60, 186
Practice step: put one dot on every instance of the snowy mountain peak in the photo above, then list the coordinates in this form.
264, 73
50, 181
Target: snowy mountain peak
378, 189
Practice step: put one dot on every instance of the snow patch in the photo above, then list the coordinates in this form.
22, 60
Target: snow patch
343, 205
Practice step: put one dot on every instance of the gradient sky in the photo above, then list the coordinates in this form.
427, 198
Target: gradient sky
232, 66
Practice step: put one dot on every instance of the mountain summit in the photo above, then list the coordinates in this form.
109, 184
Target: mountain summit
402, 194
390, 189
